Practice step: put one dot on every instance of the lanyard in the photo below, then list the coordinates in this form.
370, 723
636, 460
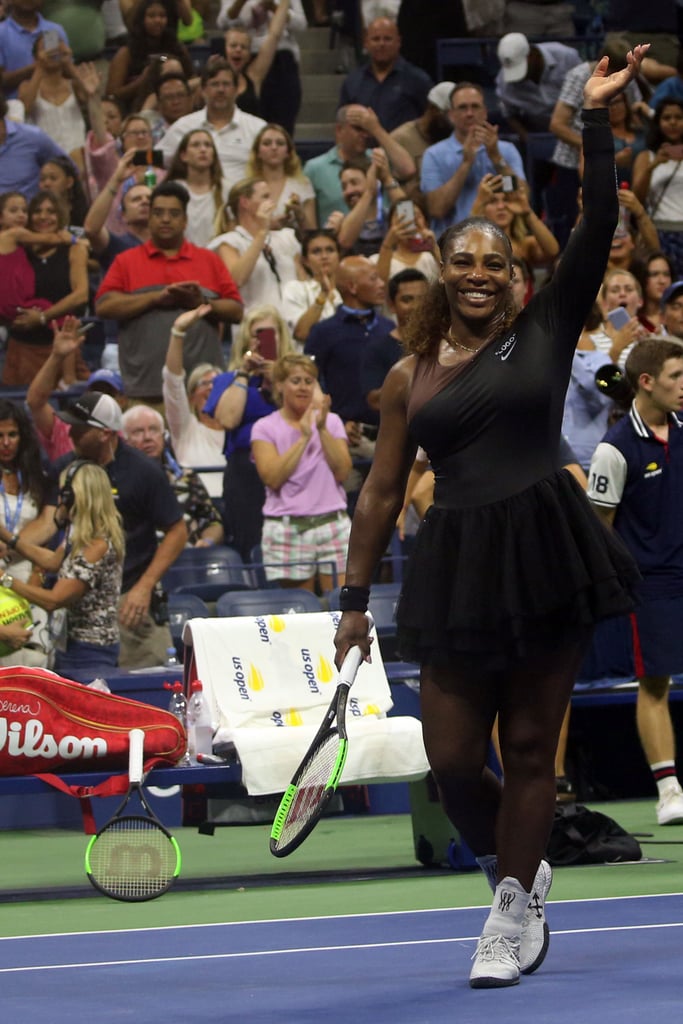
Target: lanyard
11, 520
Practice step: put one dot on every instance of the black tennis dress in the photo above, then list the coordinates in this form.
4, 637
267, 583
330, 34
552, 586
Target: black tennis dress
511, 554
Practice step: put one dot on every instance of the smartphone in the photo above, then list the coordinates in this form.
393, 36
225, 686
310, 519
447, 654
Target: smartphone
148, 158
618, 317
509, 183
406, 209
51, 40
267, 343
74, 229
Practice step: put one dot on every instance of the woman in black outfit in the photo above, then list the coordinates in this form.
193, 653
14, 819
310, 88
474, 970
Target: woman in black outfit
511, 567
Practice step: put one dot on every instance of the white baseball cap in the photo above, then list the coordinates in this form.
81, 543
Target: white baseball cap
513, 51
440, 95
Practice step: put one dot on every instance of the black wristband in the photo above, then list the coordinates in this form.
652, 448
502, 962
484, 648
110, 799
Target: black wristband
12, 542
242, 373
354, 599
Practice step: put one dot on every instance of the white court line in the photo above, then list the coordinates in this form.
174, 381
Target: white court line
324, 917
250, 954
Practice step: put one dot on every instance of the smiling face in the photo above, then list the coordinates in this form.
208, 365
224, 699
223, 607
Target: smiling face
14, 212
155, 20
476, 274
45, 217
353, 184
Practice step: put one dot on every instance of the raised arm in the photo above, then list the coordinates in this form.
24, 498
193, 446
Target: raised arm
67, 340
260, 65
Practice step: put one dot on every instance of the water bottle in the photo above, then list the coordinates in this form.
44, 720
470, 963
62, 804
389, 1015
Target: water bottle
171, 659
199, 727
178, 707
150, 178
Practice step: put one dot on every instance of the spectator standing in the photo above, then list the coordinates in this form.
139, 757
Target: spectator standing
280, 94
23, 151
530, 80
83, 601
430, 127
53, 96
19, 32
305, 303
197, 167
197, 438
259, 260
658, 178
251, 69
655, 275
391, 86
339, 344
143, 428
238, 399
232, 129
146, 287
302, 456
274, 160
355, 126
452, 169
147, 506
635, 486
408, 244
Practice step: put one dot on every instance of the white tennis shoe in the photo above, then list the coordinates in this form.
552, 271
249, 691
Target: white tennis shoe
535, 936
496, 962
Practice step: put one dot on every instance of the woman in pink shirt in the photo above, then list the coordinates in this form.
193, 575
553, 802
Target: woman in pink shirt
302, 456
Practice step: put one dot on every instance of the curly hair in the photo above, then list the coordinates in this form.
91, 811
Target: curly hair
430, 320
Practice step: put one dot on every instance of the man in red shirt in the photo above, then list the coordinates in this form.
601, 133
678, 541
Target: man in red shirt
146, 287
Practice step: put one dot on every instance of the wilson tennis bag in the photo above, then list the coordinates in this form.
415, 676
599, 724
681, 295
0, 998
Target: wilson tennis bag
50, 724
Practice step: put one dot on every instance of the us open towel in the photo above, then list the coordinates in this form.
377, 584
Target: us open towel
269, 679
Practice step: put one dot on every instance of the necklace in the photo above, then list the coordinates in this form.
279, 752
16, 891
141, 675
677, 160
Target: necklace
453, 342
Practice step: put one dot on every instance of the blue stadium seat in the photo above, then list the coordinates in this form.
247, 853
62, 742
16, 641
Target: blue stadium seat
208, 573
268, 601
182, 607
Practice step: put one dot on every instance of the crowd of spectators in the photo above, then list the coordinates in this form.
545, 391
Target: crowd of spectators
156, 189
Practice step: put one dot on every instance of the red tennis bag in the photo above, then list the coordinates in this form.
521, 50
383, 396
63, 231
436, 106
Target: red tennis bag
50, 724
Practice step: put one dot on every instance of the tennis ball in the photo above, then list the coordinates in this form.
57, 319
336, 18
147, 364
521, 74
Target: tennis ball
12, 609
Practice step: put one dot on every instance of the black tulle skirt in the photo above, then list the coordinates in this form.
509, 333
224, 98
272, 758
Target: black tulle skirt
495, 581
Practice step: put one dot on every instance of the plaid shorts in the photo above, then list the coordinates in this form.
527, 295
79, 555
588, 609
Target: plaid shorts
293, 547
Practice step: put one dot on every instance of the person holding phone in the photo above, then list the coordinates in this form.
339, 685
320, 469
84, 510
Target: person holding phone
19, 32
237, 400
53, 96
302, 456
408, 244
620, 300
657, 178
504, 199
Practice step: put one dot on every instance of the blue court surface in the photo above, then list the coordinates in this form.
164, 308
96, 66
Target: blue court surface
611, 960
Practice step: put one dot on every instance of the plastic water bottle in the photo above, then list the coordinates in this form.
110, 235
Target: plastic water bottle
199, 727
178, 707
171, 659
150, 178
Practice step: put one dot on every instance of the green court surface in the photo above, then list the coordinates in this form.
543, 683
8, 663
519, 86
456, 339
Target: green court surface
349, 865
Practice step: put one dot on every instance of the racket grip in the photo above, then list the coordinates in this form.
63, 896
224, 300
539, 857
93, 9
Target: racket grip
350, 665
136, 740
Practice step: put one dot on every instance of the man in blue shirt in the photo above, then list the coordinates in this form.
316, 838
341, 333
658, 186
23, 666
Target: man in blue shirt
393, 87
18, 34
23, 151
452, 169
636, 486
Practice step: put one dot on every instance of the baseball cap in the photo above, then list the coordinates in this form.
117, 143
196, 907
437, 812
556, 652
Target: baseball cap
513, 50
110, 377
94, 410
440, 95
672, 292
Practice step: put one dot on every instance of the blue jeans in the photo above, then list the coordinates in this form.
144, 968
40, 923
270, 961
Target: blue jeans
83, 659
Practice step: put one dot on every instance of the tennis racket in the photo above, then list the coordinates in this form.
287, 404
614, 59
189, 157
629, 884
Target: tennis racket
133, 857
317, 777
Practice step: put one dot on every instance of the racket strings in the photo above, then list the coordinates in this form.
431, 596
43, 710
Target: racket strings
311, 788
133, 859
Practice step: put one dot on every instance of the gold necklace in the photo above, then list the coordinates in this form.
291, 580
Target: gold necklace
453, 342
